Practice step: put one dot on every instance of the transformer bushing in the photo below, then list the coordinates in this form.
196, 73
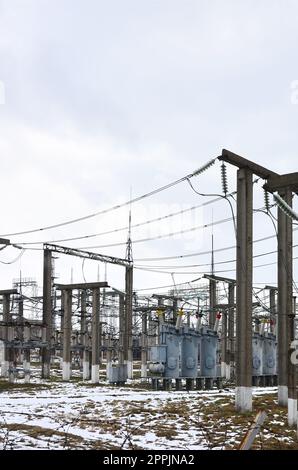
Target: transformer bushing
269, 354
208, 351
257, 355
189, 353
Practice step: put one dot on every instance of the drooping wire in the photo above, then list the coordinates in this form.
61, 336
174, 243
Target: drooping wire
218, 195
15, 259
83, 272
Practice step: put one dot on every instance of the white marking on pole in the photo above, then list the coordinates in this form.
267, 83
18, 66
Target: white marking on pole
95, 373
243, 399
292, 412
66, 371
86, 370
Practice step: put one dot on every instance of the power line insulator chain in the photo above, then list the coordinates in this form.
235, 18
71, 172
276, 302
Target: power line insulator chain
224, 179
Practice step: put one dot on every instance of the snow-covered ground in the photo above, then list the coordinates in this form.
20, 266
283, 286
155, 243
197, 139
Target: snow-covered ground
76, 415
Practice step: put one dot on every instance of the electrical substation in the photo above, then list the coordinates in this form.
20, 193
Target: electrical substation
213, 333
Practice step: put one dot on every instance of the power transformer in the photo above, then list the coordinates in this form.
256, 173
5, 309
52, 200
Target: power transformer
190, 340
208, 352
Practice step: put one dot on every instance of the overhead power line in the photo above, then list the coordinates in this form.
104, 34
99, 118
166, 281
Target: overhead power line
153, 270
117, 206
204, 264
226, 248
140, 224
157, 237
141, 240
190, 255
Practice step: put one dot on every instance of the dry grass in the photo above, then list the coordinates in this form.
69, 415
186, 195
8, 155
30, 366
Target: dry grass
6, 386
190, 420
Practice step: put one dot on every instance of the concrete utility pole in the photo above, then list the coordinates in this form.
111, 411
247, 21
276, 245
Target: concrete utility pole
243, 398
231, 331
7, 364
21, 311
25, 335
161, 312
287, 372
128, 303
67, 327
85, 336
47, 313
128, 319
224, 343
227, 322
122, 329
244, 291
6, 320
273, 310
175, 309
283, 308
287, 379
212, 289
144, 347
295, 318
212, 302
26, 360
292, 376
152, 330
109, 355
95, 337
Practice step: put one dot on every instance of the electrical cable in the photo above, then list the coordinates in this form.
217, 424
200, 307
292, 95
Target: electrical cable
226, 248
197, 172
157, 237
142, 240
217, 195
202, 272
14, 260
83, 273
120, 229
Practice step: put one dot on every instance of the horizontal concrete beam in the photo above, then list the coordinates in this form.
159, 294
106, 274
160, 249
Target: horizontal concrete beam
241, 162
8, 292
4, 241
276, 183
82, 286
219, 279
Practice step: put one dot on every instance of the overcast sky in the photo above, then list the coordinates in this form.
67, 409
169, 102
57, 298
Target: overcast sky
100, 98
